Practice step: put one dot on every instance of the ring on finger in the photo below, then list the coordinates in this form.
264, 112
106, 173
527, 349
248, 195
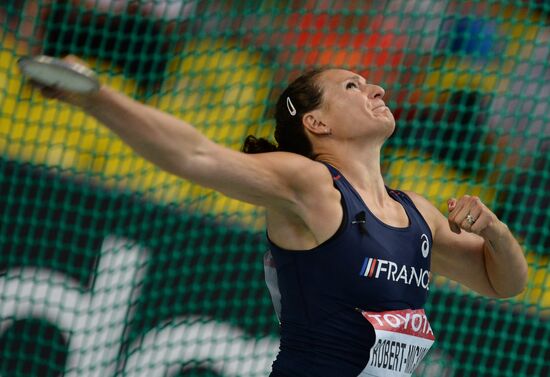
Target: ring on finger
470, 219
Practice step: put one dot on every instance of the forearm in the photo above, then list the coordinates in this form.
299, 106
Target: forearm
504, 260
159, 137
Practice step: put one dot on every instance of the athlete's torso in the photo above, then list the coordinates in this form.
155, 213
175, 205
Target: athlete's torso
366, 266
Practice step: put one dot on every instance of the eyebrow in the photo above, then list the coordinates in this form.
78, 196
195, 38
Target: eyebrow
355, 78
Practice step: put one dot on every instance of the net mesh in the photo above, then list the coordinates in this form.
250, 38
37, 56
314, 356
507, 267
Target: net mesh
111, 267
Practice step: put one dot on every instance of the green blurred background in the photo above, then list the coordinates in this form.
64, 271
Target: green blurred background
468, 83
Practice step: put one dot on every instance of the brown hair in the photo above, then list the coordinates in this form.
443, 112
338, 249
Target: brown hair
303, 95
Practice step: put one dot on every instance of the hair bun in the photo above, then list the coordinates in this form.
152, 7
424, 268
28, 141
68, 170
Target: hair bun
254, 145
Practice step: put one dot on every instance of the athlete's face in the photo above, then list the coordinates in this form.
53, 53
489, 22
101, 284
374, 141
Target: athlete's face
352, 107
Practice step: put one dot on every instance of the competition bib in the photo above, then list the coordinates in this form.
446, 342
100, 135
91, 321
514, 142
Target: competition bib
403, 338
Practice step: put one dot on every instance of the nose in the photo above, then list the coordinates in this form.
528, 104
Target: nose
375, 91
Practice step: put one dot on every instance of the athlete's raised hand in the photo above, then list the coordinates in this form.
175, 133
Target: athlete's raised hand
470, 214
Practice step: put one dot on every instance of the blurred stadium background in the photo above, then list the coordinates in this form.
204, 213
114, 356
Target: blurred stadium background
110, 267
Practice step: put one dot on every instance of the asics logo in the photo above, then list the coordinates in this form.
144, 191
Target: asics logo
425, 245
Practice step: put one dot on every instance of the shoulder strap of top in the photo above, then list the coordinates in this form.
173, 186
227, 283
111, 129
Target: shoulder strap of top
400, 195
340, 181
333, 171
350, 198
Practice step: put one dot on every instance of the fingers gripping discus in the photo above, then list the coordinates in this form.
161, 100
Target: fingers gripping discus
60, 74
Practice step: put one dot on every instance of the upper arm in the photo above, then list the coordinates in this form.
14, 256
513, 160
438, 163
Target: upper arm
459, 257
269, 179
274, 179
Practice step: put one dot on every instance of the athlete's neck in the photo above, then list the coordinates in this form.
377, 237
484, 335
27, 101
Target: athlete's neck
361, 169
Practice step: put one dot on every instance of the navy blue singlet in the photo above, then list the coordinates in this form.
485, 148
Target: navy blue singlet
365, 265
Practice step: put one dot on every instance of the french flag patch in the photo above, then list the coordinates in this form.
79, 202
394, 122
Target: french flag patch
369, 265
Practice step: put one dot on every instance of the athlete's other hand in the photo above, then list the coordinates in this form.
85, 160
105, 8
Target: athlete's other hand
52, 92
470, 214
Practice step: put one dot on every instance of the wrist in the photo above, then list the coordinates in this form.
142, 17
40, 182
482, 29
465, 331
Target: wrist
496, 232
92, 101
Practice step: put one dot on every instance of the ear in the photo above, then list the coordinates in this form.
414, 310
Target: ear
314, 125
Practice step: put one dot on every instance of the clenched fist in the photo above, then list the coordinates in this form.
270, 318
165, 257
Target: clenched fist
470, 214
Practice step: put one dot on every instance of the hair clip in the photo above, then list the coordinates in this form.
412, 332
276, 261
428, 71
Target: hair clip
290, 106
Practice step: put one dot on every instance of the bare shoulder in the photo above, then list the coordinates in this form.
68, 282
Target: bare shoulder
428, 210
423, 204
300, 171
277, 180
315, 214
310, 181
303, 176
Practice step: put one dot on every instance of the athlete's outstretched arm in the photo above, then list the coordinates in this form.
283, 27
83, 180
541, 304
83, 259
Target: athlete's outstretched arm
483, 255
267, 179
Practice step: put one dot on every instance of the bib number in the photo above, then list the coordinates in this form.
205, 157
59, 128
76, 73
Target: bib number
403, 338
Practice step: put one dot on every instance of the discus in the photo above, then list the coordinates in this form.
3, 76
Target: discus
59, 74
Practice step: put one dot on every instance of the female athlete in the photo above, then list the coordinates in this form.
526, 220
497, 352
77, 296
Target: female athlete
353, 257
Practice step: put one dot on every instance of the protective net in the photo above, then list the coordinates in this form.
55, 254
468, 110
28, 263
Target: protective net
111, 267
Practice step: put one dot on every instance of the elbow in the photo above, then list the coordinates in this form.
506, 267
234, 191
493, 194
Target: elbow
508, 278
516, 286
509, 293
522, 279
